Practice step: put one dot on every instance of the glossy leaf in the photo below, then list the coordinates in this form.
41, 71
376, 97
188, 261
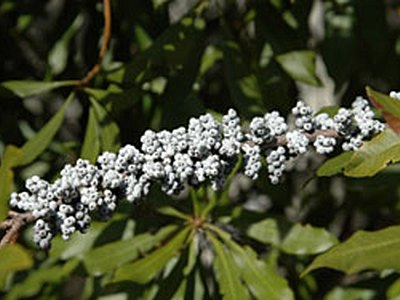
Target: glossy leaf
35, 146
28, 88
265, 231
91, 143
109, 130
121, 252
228, 274
10, 158
300, 66
377, 250
263, 281
390, 107
306, 240
146, 268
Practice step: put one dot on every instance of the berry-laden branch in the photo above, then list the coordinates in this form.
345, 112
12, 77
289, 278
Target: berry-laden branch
104, 45
13, 226
204, 152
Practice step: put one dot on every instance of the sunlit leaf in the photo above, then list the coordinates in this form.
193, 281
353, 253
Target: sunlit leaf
29, 88
14, 258
377, 250
300, 65
390, 108
335, 165
374, 155
308, 240
120, 252
36, 145
144, 269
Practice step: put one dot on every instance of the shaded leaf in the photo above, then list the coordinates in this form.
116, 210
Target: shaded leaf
173, 212
11, 157
265, 231
263, 281
29, 88
144, 269
36, 145
91, 143
120, 252
390, 107
377, 250
109, 130
227, 272
300, 66
340, 293
308, 240
37, 279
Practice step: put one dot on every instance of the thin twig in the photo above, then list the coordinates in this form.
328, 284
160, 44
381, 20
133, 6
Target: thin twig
104, 45
13, 226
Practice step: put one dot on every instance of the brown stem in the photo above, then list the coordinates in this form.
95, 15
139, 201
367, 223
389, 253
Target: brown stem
104, 45
13, 226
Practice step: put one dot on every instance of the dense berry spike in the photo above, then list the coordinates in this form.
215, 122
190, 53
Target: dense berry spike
204, 152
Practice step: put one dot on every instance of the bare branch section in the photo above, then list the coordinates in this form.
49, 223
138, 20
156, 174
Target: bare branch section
104, 46
13, 225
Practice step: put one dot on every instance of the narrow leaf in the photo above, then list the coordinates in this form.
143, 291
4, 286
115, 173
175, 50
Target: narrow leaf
300, 66
263, 281
377, 250
109, 129
121, 252
91, 143
228, 274
35, 146
308, 240
28, 88
173, 212
145, 269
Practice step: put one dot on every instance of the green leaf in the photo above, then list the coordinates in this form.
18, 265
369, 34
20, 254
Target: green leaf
300, 66
11, 157
173, 212
192, 255
91, 143
145, 269
228, 274
121, 252
263, 281
265, 231
109, 132
374, 155
243, 85
58, 54
14, 258
35, 146
29, 88
306, 240
35, 281
335, 165
340, 293
377, 250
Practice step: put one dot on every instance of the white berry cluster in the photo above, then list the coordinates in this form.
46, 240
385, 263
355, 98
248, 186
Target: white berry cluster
395, 95
204, 152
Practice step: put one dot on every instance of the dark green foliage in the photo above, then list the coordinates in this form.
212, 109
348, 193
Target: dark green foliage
169, 61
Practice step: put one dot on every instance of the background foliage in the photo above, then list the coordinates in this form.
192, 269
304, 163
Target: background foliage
168, 61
